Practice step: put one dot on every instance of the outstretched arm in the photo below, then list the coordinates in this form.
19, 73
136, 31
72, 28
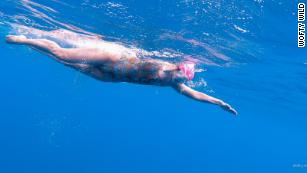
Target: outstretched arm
187, 91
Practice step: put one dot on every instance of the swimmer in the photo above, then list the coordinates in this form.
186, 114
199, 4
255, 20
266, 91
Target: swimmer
113, 62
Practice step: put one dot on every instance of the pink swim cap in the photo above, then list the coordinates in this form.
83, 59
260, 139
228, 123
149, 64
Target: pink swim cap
187, 68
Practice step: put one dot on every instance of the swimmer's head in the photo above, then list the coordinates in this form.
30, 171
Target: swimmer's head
184, 72
187, 69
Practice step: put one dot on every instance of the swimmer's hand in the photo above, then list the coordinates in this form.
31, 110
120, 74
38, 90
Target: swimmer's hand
228, 108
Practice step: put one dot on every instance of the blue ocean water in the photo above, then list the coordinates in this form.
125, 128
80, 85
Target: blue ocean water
54, 119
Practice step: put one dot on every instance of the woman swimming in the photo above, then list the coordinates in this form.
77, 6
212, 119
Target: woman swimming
113, 62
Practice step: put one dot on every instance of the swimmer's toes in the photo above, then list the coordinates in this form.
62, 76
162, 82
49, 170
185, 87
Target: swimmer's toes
15, 38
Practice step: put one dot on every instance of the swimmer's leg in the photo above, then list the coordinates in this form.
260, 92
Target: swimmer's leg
44, 45
61, 34
69, 35
64, 36
73, 55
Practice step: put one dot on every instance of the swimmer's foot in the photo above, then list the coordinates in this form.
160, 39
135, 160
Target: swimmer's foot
15, 38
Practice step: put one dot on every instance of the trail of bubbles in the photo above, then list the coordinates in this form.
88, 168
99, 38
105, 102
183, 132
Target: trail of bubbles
33, 8
216, 54
69, 35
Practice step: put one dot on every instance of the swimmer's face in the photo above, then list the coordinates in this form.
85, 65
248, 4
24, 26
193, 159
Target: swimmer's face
179, 76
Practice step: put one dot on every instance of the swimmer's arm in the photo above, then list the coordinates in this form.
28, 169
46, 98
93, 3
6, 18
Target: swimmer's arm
187, 91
